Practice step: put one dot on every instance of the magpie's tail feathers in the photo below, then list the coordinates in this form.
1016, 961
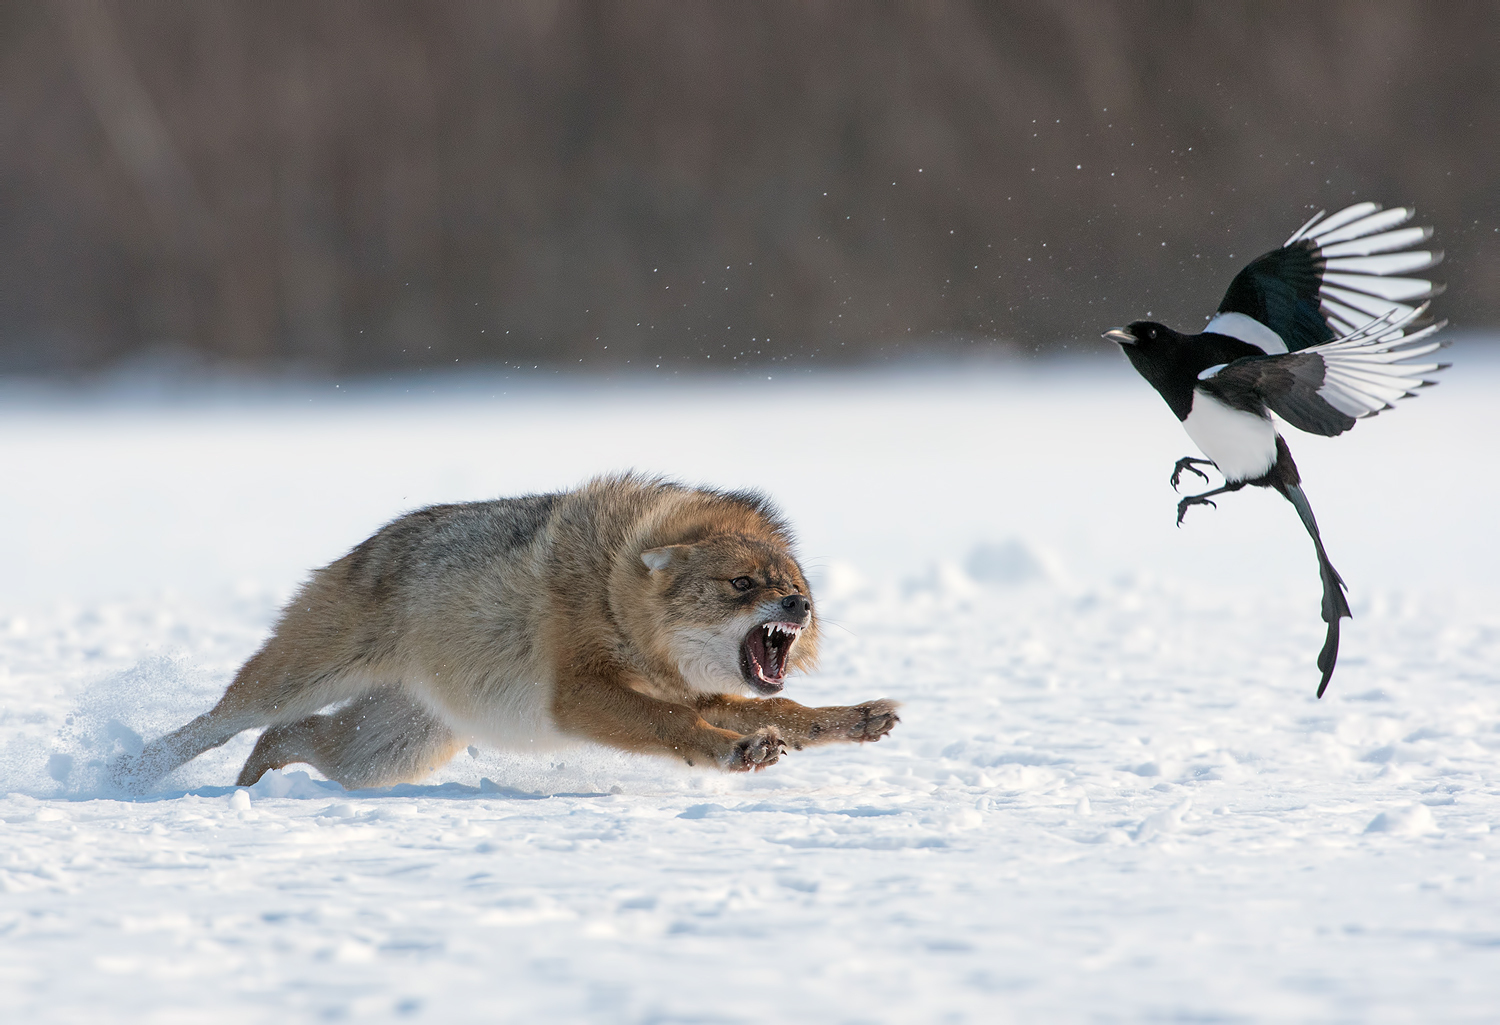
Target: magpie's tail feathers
1335, 605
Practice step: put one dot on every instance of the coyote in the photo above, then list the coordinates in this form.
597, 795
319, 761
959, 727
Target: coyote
630, 612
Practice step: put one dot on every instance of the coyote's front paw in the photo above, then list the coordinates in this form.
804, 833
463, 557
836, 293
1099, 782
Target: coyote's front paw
876, 719
755, 751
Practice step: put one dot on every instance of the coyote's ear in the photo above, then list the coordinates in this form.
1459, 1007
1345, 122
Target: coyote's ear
658, 559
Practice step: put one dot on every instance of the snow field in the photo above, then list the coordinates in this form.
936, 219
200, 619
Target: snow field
1112, 797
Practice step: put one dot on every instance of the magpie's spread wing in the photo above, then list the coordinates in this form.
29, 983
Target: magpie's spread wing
1323, 389
1335, 276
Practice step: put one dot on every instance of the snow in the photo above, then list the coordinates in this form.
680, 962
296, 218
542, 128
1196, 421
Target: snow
1112, 798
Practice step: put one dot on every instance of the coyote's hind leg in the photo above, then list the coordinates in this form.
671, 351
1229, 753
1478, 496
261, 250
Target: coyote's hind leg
282, 682
166, 753
379, 739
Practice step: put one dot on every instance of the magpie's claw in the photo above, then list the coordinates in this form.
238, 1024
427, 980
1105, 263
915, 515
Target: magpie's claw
1186, 463
1191, 500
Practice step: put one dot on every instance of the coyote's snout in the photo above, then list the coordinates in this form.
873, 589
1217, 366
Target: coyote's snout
630, 612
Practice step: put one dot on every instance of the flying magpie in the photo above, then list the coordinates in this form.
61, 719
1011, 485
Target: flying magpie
1320, 332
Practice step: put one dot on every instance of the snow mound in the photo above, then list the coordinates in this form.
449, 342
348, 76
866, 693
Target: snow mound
1012, 563
1412, 820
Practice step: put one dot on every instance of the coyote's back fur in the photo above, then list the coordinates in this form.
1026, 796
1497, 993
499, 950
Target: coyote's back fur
629, 612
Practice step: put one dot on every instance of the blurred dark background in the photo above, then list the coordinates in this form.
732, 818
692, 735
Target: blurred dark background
362, 187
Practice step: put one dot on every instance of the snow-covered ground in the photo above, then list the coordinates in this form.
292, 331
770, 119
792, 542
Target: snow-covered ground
1112, 798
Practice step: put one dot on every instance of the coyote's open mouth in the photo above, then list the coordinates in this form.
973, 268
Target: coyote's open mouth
763, 656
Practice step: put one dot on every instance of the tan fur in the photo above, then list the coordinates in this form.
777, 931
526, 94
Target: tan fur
609, 614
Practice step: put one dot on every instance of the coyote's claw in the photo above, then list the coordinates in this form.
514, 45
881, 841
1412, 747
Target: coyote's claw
876, 719
757, 750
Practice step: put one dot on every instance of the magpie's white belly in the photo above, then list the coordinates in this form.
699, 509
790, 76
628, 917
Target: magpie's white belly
1242, 445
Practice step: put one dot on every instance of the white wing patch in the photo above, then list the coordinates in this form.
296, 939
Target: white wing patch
1368, 369
1247, 329
1359, 246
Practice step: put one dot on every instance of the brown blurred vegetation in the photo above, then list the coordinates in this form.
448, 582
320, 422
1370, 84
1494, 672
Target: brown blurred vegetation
345, 186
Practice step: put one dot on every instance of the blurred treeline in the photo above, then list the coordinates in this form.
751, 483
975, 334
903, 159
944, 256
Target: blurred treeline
359, 186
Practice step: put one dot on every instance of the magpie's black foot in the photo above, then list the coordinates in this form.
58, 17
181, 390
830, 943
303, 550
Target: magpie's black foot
1190, 500
1187, 463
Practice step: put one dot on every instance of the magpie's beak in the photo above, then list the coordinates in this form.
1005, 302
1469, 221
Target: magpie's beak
1120, 336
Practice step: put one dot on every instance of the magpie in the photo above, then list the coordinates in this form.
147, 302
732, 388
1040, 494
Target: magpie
1321, 332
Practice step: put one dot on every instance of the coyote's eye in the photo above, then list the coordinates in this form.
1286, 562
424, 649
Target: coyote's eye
742, 583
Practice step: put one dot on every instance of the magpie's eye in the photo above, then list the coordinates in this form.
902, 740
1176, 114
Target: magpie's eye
742, 583
1151, 333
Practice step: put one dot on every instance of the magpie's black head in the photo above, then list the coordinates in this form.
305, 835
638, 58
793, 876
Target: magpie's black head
1150, 346
1143, 336
1166, 359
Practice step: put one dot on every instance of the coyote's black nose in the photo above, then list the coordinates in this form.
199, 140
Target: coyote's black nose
796, 603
